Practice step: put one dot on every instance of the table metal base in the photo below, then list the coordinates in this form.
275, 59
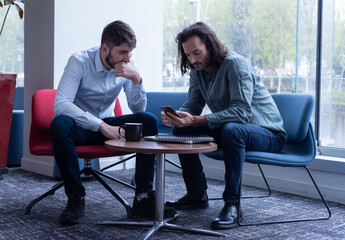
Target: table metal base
155, 226
160, 222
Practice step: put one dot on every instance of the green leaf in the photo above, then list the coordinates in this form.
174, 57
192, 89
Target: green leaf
20, 10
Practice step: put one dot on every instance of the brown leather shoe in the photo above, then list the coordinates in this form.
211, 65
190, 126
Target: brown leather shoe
190, 201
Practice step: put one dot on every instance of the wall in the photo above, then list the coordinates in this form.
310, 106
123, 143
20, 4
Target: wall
38, 69
79, 26
56, 29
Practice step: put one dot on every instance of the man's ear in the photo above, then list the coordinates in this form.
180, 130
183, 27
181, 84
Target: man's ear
104, 49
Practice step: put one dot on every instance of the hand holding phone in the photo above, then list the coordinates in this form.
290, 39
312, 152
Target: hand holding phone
167, 109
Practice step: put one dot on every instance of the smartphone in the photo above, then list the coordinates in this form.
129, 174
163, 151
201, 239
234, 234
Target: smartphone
166, 109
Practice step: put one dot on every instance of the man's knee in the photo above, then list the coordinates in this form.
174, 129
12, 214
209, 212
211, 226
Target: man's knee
232, 132
61, 121
60, 124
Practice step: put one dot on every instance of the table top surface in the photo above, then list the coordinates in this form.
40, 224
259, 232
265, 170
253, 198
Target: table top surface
145, 146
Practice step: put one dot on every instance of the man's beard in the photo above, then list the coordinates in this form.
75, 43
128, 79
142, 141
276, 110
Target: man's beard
107, 59
204, 63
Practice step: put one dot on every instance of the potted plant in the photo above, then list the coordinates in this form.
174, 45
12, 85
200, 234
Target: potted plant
7, 92
9, 4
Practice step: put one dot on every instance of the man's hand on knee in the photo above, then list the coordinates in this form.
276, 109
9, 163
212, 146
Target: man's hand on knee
110, 132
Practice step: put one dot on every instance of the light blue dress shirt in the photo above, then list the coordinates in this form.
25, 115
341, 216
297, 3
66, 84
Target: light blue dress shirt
87, 90
234, 93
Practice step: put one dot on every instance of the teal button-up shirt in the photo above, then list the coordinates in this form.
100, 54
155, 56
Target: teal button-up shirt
234, 93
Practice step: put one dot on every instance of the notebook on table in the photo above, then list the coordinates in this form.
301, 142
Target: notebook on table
180, 139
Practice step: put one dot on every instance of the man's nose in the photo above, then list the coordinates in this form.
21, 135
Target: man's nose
128, 57
192, 59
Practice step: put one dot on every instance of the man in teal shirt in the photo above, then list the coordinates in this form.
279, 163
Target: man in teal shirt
244, 117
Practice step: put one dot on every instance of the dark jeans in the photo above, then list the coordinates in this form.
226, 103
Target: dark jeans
234, 139
66, 134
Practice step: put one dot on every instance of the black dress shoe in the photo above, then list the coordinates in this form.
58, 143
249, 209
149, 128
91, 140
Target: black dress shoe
146, 207
227, 218
190, 201
74, 210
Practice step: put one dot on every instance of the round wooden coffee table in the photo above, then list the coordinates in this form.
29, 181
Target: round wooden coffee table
160, 149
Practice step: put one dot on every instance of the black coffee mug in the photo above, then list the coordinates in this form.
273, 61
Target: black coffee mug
133, 131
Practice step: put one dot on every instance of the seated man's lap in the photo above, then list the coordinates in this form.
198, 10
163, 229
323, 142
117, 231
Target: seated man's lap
252, 137
64, 127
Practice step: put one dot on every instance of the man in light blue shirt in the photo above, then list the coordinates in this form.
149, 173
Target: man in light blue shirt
84, 103
244, 117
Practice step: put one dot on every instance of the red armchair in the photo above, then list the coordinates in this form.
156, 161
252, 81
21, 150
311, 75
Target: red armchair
40, 144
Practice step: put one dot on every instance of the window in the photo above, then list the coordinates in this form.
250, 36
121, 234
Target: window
12, 45
279, 38
332, 99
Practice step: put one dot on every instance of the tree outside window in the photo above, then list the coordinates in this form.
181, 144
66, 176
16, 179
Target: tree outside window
279, 39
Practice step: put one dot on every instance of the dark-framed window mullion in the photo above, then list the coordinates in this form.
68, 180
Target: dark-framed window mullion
318, 70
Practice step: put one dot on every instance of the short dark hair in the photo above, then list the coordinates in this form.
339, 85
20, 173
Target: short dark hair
213, 45
118, 32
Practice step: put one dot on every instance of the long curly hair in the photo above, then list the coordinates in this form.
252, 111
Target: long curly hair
217, 51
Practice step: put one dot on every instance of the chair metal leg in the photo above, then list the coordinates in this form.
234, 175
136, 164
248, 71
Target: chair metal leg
115, 179
132, 184
36, 200
173, 163
294, 220
50, 192
117, 163
87, 170
266, 183
112, 191
255, 196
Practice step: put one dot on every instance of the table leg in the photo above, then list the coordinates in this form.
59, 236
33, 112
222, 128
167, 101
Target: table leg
160, 184
160, 222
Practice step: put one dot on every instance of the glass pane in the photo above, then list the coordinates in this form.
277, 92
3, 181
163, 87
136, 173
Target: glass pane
306, 37
177, 14
332, 109
12, 44
279, 39
263, 31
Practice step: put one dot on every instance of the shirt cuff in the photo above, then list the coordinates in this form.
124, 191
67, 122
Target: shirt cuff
138, 87
210, 121
94, 123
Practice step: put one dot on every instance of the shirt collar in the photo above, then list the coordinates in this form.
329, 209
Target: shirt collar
98, 63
